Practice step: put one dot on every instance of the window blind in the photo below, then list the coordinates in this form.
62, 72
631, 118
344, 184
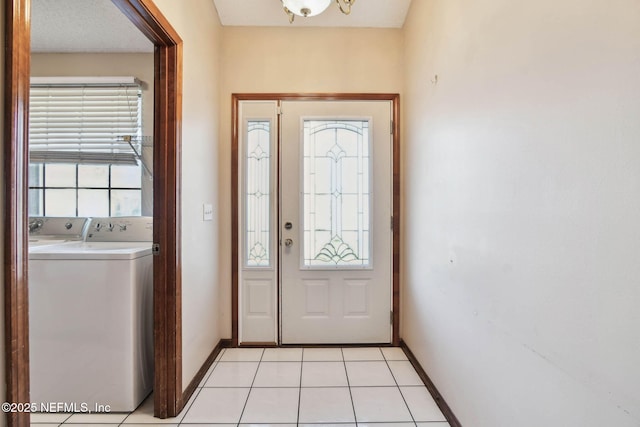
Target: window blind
97, 121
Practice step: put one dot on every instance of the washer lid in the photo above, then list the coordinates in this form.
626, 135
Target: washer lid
91, 250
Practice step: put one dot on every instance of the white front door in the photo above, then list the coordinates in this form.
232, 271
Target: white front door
335, 203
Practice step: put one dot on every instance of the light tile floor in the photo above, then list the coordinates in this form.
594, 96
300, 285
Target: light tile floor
345, 387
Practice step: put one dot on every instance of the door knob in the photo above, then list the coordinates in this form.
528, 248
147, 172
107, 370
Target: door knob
288, 243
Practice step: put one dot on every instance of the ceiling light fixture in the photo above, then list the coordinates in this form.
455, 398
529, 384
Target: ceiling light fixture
307, 8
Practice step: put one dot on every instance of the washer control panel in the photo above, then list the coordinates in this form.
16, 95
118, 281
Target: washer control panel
120, 229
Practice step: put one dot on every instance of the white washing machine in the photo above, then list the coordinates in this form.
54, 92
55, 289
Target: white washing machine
91, 317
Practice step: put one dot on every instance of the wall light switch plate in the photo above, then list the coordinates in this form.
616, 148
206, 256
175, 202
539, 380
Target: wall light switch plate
207, 212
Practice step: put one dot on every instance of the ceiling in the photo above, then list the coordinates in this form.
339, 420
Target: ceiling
98, 26
83, 26
365, 13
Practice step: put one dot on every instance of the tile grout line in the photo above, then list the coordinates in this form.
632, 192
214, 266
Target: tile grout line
198, 389
193, 400
399, 389
215, 364
346, 374
59, 424
300, 389
250, 388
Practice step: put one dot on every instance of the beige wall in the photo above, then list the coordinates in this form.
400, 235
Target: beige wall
294, 59
521, 212
199, 28
139, 65
289, 60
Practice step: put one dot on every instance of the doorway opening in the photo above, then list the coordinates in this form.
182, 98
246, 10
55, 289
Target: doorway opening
168, 391
315, 219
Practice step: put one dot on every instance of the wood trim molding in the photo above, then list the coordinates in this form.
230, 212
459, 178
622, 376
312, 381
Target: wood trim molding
16, 157
265, 344
395, 99
446, 410
167, 294
369, 345
146, 16
191, 388
167, 265
284, 96
396, 220
235, 99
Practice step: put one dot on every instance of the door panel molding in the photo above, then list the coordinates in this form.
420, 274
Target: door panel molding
395, 128
169, 398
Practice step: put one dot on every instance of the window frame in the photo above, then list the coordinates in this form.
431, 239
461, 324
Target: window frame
109, 188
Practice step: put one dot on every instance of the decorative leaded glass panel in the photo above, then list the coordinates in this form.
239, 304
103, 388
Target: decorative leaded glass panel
336, 179
258, 194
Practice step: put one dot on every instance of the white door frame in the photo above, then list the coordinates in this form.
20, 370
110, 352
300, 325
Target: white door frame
235, 188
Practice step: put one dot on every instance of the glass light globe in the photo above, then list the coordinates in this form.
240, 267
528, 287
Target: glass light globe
306, 7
